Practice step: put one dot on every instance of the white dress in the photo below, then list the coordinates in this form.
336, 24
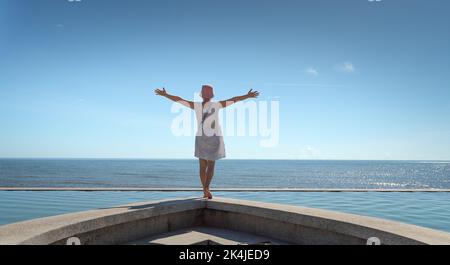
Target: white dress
209, 143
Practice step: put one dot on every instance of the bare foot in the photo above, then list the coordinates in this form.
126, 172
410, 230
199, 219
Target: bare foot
205, 193
208, 193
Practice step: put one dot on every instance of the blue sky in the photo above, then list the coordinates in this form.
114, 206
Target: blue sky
354, 79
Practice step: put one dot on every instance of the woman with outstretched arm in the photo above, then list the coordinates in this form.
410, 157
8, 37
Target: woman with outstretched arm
209, 145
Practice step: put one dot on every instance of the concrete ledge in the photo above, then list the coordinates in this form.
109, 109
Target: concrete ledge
201, 235
300, 220
292, 224
51, 230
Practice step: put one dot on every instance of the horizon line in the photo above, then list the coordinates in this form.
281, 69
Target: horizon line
275, 159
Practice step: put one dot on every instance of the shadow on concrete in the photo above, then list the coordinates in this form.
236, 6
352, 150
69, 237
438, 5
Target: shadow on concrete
156, 203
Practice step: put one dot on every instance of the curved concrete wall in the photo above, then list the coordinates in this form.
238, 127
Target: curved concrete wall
296, 225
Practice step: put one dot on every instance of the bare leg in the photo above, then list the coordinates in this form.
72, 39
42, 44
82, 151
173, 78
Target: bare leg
209, 176
203, 166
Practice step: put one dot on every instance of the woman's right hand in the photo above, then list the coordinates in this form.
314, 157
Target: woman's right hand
160, 92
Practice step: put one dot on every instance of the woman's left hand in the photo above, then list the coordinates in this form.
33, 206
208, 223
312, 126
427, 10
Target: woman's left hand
252, 94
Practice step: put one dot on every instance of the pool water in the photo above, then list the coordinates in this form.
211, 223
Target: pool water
428, 209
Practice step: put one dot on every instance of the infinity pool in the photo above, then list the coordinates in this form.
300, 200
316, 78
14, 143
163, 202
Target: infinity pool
420, 208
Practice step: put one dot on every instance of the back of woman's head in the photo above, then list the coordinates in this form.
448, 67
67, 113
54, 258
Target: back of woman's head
207, 92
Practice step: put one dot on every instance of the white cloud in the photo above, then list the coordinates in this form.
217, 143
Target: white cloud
346, 67
309, 152
311, 71
275, 84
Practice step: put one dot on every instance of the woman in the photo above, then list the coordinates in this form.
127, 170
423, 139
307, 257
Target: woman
209, 145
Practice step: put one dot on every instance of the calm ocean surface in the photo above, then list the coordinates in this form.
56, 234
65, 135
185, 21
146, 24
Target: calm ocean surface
229, 173
420, 208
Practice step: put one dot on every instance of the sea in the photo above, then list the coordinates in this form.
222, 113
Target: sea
428, 209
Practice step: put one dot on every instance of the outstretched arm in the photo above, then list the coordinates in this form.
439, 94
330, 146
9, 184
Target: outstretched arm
177, 99
231, 101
